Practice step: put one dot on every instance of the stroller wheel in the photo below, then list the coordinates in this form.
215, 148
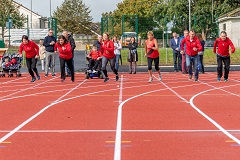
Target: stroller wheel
86, 76
19, 75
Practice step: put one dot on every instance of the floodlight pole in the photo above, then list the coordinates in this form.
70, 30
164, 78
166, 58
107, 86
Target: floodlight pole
189, 14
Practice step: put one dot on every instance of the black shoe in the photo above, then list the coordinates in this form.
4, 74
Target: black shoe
117, 78
195, 79
53, 75
130, 72
33, 79
106, 79
134, 72
190, 76
46, 75
38, 76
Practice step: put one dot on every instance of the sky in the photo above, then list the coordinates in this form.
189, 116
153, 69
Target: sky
42, 7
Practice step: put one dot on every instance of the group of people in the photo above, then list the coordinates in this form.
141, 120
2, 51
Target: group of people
46, 52
188, 53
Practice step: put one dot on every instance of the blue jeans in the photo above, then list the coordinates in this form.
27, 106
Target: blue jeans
117, 57
192, 61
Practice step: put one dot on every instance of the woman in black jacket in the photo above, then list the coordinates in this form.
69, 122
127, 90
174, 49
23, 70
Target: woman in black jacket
132, 55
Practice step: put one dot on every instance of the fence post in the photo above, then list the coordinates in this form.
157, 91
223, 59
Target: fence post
141, 56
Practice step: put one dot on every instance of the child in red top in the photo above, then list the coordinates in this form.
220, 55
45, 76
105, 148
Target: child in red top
223, 54
31, 52
94, 59
65, 56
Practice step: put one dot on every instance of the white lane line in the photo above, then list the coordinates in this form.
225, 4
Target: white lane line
173, 91
132, 131
120, 90
210, 119
33, 117
118, 137
69, 92
22, 90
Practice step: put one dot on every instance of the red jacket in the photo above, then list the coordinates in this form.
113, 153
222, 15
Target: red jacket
108, 49
65, 50
223, 47
31, 49
190, 45
95, 55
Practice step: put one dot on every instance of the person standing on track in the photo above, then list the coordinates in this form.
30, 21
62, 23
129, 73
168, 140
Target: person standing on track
200, 54
152, 54
193, 46
108, 55
184, 66
65, 56
117, 51
73, 45
98, 43
132, 55
49, 42
177, 57
31, 53
223, 54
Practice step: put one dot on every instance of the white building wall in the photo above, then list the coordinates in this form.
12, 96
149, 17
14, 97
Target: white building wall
35, 18
232, 29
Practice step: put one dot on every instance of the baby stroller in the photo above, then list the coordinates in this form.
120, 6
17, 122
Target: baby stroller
89, 73
11, 64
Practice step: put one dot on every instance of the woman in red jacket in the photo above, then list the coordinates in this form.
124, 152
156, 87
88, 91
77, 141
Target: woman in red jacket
31, 52
65, 56
223, 54
108, 55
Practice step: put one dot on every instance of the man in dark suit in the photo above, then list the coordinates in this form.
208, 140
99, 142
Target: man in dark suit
177, 57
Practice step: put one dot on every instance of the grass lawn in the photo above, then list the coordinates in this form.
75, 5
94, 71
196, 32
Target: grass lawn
166, 57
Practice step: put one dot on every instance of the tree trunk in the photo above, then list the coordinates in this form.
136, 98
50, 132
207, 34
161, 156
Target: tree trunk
2, 32
204, 35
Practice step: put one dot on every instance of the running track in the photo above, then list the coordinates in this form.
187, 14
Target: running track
129, 119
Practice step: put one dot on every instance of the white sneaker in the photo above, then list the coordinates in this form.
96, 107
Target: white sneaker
160, 77
150, 80
94, 71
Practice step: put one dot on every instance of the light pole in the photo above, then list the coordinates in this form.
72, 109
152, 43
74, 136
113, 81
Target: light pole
31, 14
50, 8
189, 14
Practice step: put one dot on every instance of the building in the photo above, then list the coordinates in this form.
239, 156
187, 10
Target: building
38, 22
230, 23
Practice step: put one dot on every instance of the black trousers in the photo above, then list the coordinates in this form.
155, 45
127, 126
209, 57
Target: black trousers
226, 62
156, 63
177, 59
31, 65
62, 67
93, 64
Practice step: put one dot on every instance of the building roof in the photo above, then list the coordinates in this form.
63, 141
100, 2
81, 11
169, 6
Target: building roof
18, 4
233, 13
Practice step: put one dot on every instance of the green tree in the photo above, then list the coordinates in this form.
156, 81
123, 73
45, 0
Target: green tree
7, 8
74, 16
201, 14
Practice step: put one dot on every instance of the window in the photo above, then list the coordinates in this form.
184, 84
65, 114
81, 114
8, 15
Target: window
224, 27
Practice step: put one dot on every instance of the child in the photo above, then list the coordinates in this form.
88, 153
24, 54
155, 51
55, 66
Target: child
94, 59
42, 53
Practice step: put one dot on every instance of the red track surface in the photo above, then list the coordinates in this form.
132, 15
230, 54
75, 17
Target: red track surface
160, 120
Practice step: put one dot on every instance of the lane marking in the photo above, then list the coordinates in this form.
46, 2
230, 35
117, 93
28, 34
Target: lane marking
22, 90
130, 131
120, 90
35, 115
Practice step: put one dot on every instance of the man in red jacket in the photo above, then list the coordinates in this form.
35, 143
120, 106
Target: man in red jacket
223, 54
193, 46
